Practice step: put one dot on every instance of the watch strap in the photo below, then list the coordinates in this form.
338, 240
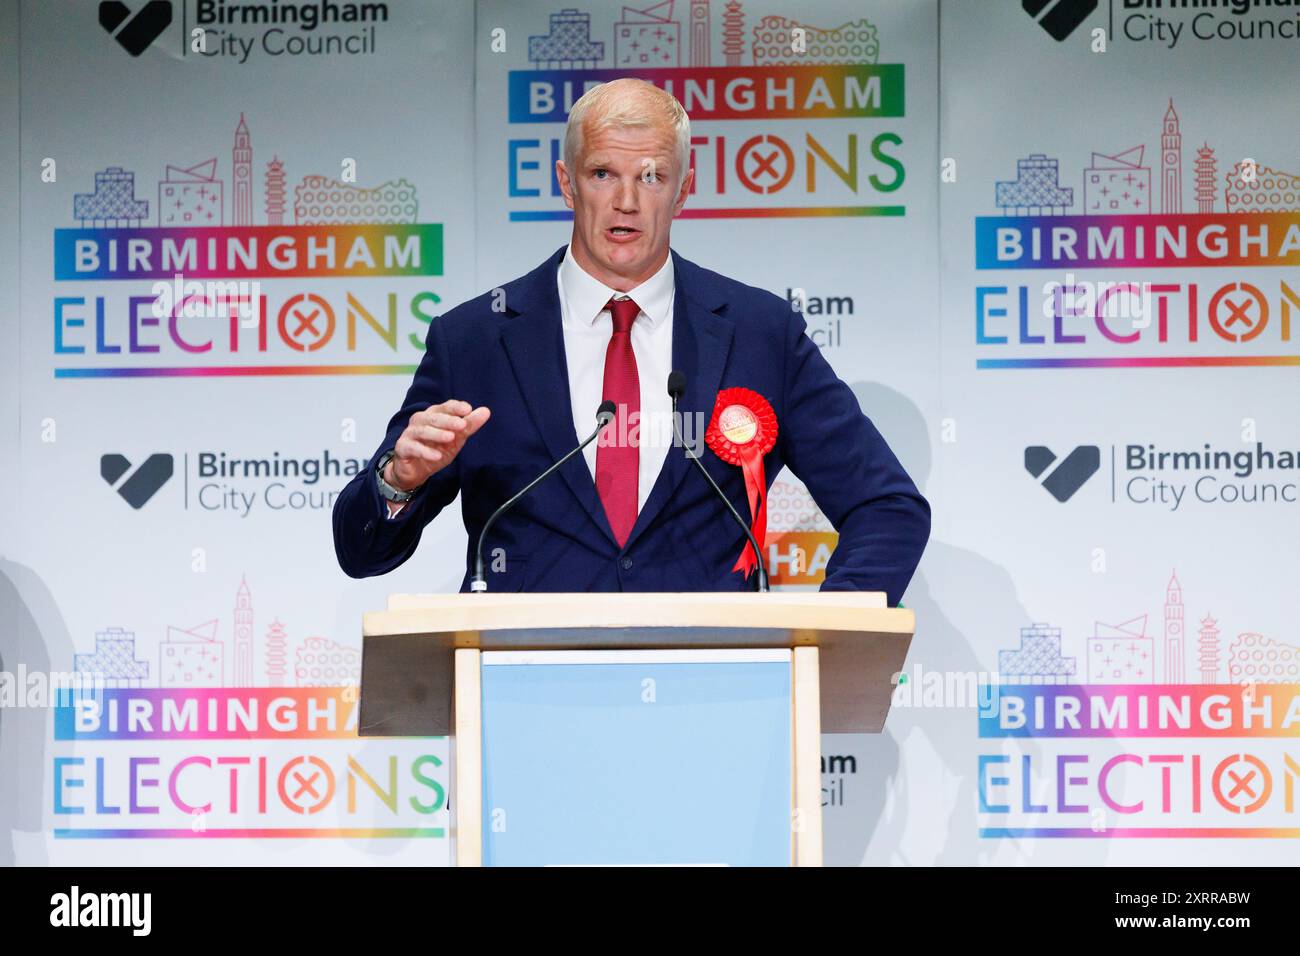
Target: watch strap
387, 491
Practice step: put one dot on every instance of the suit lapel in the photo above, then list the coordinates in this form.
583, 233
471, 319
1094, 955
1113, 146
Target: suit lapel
701, 346
534, 343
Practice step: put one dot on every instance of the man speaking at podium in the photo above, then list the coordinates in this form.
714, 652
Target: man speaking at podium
511, 383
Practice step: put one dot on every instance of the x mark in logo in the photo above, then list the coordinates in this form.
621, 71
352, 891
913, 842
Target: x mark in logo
1238, 313
306, 322
1241, 784
307, 308
1242, 779
765, 165
305, 785
307, 799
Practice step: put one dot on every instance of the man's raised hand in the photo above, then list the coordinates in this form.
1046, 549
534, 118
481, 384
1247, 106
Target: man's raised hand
431, 441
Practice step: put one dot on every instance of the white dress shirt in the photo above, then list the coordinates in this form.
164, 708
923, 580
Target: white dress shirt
588, 326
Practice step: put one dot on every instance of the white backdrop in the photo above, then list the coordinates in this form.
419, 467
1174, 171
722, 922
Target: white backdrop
221, 586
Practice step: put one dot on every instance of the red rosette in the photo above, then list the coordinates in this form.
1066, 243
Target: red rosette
742, 430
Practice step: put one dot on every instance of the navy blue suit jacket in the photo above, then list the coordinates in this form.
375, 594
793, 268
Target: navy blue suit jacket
725, 334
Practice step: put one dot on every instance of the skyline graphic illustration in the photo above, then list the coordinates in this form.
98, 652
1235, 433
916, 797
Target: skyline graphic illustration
113, 659
1205, 179
193, 196
1125, 653
567, 44
275, 192
195, 656
647, 38
191, 657
319, 200
1260, 188
1254, 657
1207, 650
733, 33
1121, 653
320, 662
1175, 657
243, 618
113, 202
1120, 184
1036, 190
1117, 184
701, 33
1171, 164
277, 643
774, 43
242, 166
650, 35
1038, 659
1115, 653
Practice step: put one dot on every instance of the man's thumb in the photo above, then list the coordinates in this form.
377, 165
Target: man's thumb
476, 419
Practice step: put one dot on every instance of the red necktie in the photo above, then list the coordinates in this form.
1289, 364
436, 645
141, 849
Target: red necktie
617, 460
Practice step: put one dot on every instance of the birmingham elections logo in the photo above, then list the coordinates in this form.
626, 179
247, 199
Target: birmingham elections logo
1067, 477
137, 30
822, 115
143, 483
1059, 18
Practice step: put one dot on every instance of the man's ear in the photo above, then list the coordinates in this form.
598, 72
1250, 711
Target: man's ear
566, 184
685, 191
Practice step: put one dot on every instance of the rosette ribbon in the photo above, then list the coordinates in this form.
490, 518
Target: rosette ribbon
741, 431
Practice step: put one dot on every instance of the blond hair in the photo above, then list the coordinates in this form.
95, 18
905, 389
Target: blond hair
627, 103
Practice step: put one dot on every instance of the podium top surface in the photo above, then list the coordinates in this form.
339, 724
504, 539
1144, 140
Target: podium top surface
407, 674
835, 611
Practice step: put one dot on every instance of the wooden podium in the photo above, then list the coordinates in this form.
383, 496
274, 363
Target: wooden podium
833, 655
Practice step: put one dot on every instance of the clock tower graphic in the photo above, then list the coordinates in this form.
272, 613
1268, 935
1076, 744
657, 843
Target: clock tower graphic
1174, 636
1171, 164
243, 162
701, 31
243, 636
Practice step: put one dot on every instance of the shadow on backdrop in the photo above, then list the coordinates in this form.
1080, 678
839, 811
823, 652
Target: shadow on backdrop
32, 634
917, 801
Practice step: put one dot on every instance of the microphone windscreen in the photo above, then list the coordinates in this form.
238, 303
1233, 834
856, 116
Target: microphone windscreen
605, 413
676, 384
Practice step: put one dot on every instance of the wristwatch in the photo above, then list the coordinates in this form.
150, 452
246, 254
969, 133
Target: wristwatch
385, 489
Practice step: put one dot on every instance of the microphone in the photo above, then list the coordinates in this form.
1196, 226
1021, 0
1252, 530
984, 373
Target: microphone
676, 387
604, 415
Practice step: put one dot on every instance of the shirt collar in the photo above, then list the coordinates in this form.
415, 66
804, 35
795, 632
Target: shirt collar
587, 296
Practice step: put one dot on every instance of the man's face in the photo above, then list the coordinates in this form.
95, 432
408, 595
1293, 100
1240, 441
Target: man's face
624, 193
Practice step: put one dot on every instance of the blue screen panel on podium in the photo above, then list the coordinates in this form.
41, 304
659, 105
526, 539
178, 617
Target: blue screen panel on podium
636, 757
